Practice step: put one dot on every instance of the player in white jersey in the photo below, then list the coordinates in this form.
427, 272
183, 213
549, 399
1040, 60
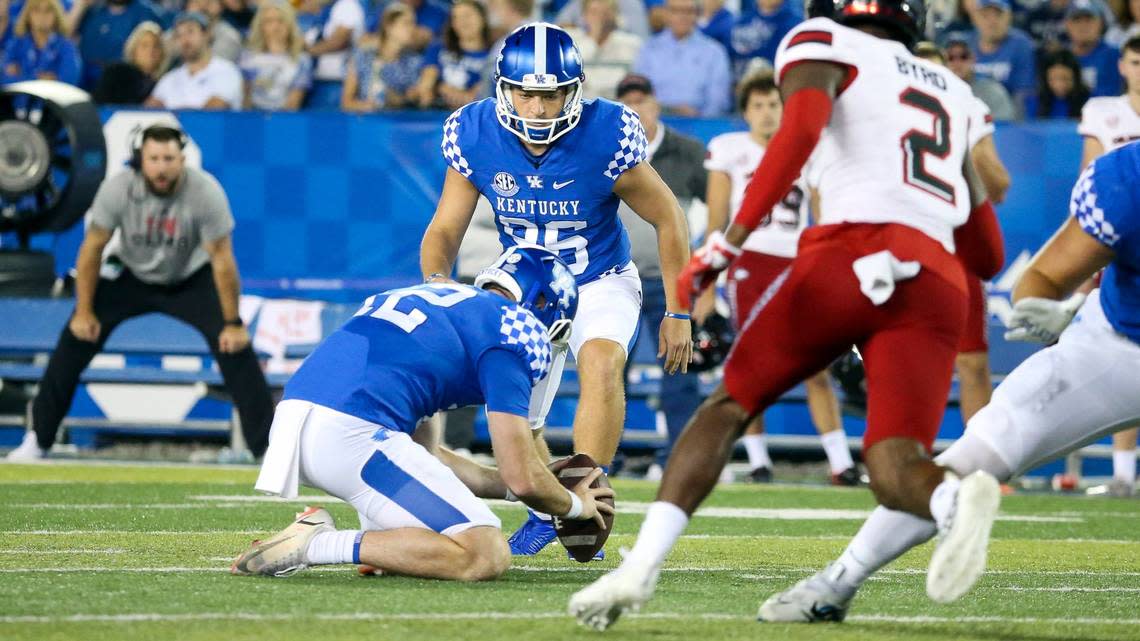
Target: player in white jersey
731, 160
1061, 398
1108, 123
975, 384
899, 198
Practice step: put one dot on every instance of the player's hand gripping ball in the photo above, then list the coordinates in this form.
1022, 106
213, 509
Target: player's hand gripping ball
582, 538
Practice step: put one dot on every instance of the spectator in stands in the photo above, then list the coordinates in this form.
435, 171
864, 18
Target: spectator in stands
631, 16
39, 48
757, 33
716, 22
276, 69
454, 68
239, 14
1063, 93
1128, 25
503, 16
177, 259
384, 71
608, 52
1085, 23
311, 16
144, 60
225, 40
679, 160
6, 22
340, 28
1045, 24
960, 60
202, 81
689, 70
1003, 53
102, 29
430, 20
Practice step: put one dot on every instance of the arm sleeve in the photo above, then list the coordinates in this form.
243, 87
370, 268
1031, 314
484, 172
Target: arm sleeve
216, 219
1102, 200
107, 208
717, 156
1090, 121
70, 64
504, 378
452, 147
431, 54
981, 122
631, 144
161, 90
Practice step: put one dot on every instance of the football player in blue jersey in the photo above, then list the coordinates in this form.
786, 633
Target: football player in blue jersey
346, 423
1063, 397
553, 167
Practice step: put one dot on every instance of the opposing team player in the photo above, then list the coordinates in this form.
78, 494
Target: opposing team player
731, 160
553, 167
1057, 401
346, 422
1108, 123
975, 382
879, 272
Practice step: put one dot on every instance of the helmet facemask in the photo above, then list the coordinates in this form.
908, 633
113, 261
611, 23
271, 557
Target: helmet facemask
538, 131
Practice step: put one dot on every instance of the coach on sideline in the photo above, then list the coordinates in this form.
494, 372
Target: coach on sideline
177, 259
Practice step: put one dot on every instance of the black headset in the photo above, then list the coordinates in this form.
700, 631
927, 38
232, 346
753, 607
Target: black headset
141, 135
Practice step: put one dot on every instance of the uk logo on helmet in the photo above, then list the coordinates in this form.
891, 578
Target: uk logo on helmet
504, 184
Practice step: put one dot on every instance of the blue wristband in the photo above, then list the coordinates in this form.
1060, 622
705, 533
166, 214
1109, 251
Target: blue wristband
677, 316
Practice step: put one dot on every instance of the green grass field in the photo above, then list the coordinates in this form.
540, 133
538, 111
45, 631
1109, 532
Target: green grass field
142, 552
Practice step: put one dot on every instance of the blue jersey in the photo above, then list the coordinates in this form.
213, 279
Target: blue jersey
563, 199
408, 353
1106, 203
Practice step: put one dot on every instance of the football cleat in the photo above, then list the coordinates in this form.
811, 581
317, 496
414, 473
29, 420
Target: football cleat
960, 557
284, 553
29, 450
533, 535
815, 599
760, 475
847, 478
600, 604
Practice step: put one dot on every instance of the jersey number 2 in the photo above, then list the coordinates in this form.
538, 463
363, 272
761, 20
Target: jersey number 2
917, 144
440, 295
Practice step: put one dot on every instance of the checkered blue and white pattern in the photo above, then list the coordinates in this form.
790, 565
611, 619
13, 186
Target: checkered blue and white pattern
1090, 216
632, 146
450, 145
520, 327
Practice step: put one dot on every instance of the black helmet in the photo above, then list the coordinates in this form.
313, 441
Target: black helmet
711, 343
906, 19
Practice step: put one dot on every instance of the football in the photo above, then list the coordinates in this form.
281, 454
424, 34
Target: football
582, 539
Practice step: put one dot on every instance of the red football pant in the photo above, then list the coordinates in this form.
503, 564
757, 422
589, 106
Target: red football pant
974, 335
749, 276
816, 312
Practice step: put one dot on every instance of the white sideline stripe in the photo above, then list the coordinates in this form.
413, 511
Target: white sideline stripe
475, 616
1067, 588
146, 532
637, 507
73, 551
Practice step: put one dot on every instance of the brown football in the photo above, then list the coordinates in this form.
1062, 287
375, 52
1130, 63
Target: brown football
582, 539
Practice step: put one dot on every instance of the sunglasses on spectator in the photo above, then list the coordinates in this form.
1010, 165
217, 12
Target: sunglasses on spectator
959, 56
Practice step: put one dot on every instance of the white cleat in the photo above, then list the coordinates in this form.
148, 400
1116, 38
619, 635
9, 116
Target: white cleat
815, 599
960, 557
284, 553
29, 450
600, 604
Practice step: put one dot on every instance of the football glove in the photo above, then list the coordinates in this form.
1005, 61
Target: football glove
1041, 320
704, 267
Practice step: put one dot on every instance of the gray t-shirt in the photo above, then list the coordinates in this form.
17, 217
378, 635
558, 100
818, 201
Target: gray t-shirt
162, 237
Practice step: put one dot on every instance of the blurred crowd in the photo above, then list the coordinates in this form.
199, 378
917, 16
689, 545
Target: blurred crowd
1024, 58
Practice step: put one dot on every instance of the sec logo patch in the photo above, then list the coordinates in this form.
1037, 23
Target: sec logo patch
504, 184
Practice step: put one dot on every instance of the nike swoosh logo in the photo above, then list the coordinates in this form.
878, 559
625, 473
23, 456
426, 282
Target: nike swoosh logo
559, 185
243, 564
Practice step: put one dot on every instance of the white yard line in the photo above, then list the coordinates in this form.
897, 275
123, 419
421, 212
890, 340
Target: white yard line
515, 615
55, 552
1068, 588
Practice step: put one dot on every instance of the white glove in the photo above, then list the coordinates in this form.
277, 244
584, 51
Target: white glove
1041, 320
